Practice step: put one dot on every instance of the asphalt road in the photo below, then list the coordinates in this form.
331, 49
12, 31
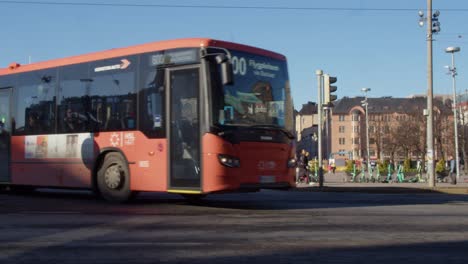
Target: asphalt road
265, 227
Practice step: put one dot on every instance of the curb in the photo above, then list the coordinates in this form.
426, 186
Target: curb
384, 190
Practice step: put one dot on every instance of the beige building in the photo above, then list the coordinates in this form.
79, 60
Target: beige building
397, 128
305, 118
306, 128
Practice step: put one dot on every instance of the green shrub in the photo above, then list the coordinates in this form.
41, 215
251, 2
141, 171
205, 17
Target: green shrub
407, 165
350, 167
312, 165
440, 166
383, 166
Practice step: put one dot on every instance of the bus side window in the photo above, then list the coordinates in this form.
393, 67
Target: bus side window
73, 102
152, 103
115, 90
35, 104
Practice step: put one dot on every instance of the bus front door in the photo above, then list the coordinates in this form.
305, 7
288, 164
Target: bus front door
183, 104
5, 131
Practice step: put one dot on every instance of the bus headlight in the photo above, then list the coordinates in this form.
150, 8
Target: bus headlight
229, 161
292, 163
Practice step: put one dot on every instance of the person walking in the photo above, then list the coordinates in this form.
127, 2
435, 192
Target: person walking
333, 167
452, 173
303, 164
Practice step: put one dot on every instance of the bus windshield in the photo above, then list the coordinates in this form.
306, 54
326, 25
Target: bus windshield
260, 95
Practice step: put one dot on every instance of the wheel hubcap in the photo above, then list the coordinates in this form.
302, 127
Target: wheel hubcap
114, 177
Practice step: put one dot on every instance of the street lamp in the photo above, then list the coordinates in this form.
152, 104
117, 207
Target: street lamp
453, 72
366, 103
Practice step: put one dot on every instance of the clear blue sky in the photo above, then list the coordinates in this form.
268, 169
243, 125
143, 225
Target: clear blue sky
383, 50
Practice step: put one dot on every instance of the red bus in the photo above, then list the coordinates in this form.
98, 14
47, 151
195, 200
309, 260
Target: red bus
188, 116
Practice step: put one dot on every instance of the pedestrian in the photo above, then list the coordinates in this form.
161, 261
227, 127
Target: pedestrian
303, 165
462, 165
452, 173
306, 166
298, 170
333, 166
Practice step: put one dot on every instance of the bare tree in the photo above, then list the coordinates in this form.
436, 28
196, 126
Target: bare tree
463, 139
377, 133
406, 136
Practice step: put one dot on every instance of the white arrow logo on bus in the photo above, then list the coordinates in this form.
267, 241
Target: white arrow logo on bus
125, 64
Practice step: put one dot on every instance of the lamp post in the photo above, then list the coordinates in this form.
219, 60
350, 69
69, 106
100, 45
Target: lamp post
453, 72
366, 103
433, 26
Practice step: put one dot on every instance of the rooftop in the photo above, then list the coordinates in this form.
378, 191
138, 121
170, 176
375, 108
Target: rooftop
389, 104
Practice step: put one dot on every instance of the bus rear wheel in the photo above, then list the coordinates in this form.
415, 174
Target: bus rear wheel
113, 178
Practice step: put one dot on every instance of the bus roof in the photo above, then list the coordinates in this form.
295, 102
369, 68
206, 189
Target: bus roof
137, 49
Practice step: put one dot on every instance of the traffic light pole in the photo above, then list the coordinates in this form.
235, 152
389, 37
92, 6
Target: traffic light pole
319, 74
430, 117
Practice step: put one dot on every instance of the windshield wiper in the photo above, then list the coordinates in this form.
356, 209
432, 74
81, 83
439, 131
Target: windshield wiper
275, 127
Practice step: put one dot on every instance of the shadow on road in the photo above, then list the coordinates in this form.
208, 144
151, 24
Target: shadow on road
172, 251
265, 200
426, 253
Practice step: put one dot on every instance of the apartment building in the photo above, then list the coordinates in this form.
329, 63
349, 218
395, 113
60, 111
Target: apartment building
397, 128
306, 121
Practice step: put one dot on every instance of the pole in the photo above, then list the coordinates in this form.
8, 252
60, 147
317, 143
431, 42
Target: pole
319, 74
455, 117
430, 117
327, 134
353, 134
367, 136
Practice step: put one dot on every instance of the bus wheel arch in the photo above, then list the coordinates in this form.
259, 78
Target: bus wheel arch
112, 177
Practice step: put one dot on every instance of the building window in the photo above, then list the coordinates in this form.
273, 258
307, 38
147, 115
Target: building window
342, 129
371, 141
341, 118
356, 129
342, 141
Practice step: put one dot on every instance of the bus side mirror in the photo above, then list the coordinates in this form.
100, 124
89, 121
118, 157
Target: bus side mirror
227, 77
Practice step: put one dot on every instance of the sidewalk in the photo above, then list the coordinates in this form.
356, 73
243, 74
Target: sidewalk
339, 182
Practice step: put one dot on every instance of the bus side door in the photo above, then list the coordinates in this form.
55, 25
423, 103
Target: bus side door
184, 129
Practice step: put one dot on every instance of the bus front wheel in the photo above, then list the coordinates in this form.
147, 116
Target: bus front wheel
113, 178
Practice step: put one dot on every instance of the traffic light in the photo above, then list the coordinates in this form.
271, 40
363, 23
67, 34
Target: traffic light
329, 88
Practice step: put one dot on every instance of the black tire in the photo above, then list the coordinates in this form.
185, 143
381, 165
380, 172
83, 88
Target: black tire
113, 178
